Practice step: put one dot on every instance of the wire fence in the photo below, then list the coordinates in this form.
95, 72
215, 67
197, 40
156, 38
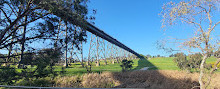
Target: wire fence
29, 87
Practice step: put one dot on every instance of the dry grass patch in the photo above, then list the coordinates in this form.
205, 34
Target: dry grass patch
68, 81
95, 80
215, 83
155, 80
152, 79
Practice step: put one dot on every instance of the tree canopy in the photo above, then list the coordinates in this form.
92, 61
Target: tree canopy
202, 16
26, 21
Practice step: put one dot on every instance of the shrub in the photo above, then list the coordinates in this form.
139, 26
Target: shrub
44, 61
126, 65
8, 75
195, 61
181, 61
40, 82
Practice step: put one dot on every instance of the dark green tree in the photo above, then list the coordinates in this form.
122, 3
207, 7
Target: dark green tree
25, 21
126, 65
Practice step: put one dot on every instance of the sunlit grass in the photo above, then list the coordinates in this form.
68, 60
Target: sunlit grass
164, 63
160, 63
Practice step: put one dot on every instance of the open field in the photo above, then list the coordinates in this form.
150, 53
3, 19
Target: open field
165, 63
163, 74
160, 63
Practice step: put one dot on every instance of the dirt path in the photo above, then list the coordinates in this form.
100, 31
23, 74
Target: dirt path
146, 68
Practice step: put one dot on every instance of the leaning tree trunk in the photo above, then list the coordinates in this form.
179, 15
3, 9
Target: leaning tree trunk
202, 69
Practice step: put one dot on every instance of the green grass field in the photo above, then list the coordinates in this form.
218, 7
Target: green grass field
160, 63
76, 72
164, 63
77, 69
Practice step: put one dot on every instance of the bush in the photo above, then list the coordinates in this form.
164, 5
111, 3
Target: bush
195, 61
44, 61
8, 76
41, 82
181, 61
126, 65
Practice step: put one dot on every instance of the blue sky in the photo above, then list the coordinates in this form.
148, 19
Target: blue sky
135, 23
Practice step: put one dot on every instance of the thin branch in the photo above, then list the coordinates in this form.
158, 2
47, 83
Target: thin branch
214, 27
20, 41
203, 8
13, 56
12, 9
6, 15
13, 23
1, 41
209, 17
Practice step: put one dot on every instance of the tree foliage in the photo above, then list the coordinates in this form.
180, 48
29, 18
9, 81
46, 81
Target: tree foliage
27, 22
8, 75
126, 65
202, 17
61, 23
42, 65
195, 60
190, 62
181, 61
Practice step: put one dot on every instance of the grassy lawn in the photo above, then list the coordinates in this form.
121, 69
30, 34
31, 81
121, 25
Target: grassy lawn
211, 60
160, 63
164, 63
77, 69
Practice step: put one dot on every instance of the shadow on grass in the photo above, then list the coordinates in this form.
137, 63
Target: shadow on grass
143, 62
153, 78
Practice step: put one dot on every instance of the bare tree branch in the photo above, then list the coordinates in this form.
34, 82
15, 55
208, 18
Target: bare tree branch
5, 14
